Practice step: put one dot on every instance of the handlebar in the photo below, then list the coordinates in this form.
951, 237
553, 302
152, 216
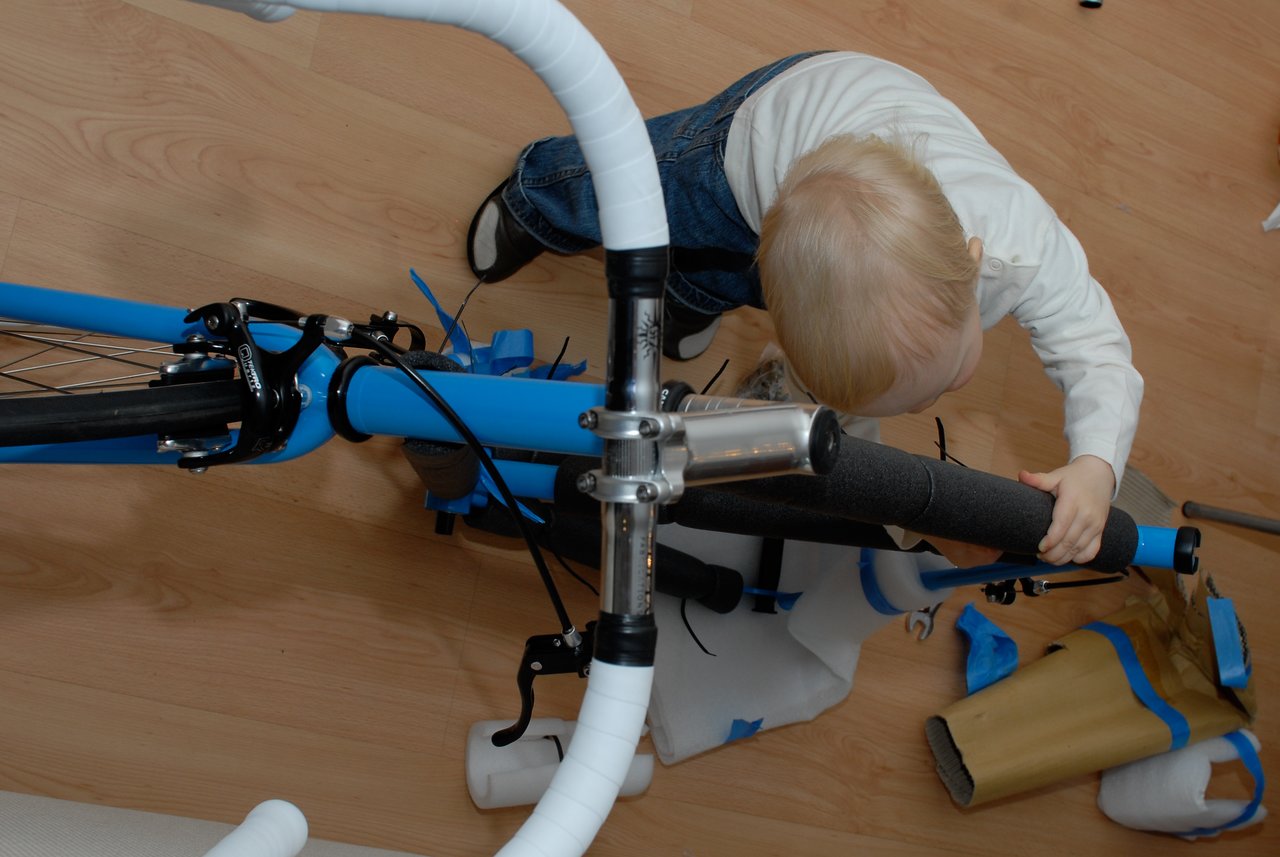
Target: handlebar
633, 225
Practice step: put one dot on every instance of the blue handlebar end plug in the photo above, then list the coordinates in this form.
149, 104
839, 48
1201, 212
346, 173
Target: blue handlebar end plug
1091, 4
1165, 547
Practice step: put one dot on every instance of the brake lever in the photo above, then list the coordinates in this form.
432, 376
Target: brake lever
545, 654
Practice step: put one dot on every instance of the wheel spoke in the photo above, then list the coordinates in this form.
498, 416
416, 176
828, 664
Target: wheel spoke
39, 360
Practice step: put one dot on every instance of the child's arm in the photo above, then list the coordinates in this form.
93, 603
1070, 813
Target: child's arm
1086, 353
1083, 491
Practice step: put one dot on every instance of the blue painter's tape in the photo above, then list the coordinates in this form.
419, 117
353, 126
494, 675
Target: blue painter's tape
1253, 765
1232, 670
509, 351
785, 600
992, 653
562, 372
871, 586
457, 338
458, 505
1141, 685
743, 729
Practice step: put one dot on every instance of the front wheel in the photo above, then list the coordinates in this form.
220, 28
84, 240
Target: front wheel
61, 386
178, 410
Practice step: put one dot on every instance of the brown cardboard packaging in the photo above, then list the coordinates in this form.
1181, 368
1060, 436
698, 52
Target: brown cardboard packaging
1073, 711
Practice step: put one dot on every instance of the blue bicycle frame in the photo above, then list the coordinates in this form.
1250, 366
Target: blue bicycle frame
380, 400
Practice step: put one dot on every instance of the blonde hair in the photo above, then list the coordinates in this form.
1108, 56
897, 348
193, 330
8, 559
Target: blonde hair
863, 262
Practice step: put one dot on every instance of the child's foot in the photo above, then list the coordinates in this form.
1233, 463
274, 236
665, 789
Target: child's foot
686, 333
497, 245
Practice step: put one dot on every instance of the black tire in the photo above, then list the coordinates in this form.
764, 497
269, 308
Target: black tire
178, 409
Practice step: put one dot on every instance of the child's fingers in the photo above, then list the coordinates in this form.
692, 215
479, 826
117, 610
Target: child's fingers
1081, 540
1053, 548
1074, 535
1055, 538
1090, 550
1058, 545
1042, 481
1079, 512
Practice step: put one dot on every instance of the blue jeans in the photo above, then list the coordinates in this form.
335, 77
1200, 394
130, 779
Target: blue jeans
713, 248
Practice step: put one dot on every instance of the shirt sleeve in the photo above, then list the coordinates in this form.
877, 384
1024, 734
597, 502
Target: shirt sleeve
1085, 350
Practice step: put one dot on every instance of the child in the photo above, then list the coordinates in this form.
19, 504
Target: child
882, 233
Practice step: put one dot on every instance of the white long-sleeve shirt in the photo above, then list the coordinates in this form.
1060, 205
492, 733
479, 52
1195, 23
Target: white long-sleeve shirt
1033, 268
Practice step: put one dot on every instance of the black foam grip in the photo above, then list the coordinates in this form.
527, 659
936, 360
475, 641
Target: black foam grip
712, 508
577, 538
724, 512
877, 484
882, 485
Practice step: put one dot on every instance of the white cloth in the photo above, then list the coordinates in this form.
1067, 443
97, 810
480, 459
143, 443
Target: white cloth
1165, 793
776, 668
1272, 221
1033, 267
32, 826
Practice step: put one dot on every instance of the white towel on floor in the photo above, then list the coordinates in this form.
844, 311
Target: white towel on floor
769, 669
1165, 793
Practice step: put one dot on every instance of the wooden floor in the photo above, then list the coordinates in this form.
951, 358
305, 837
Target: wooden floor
196, 644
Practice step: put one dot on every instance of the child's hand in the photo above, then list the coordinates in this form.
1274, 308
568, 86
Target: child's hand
1083, 490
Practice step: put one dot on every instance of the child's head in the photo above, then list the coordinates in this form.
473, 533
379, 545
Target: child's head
869, 279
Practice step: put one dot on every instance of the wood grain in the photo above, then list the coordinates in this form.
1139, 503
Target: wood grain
196, 644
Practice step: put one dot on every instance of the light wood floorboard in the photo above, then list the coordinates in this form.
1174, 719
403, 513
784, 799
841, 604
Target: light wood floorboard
195, 645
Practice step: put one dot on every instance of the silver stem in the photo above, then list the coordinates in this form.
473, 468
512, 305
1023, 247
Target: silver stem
632, 387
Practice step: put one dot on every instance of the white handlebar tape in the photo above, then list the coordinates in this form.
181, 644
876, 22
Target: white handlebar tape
519, 773
615, 144
587, 782
274, 828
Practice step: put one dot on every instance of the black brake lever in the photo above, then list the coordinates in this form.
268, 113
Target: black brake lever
544, 654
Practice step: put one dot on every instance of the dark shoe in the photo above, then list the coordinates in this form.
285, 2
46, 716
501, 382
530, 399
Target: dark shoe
686, 333
497, 245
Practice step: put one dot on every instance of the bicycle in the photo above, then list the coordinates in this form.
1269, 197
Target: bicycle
285, 378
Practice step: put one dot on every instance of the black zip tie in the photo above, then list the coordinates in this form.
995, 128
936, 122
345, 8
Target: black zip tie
715, 377
685, 618
457, 319
556, 363
574, 574
941, 444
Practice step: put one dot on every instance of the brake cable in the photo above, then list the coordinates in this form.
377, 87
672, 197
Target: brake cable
569, 632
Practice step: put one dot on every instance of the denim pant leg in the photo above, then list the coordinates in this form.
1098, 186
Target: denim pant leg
551, 195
